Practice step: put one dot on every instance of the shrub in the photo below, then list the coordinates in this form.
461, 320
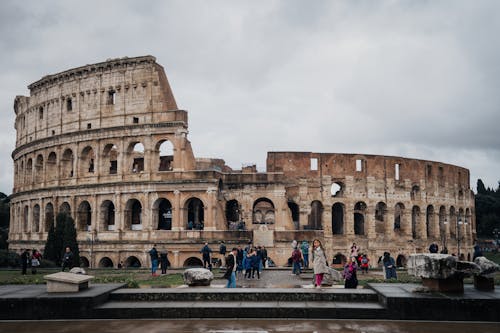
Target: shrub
9, 259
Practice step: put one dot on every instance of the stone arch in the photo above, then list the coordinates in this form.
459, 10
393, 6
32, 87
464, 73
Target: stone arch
39, 169
162, 214
87, 159
232, 212
133, 215
135, 152
380, 217
22, 174
429, 221
415, 192
36, 218
460, 222
193, 262
105, 262
442, 225
338, 210
107, 217
468, 220
84, 216
133, 262
316, 216
195, 211
67, 162
110, 159
339, 259
84, 262
263, 211
452, 219
359, 218
401, 260
49, 216
164, 152
51, 168
29, 171
415, 221
399, 209
295, 213
25, 219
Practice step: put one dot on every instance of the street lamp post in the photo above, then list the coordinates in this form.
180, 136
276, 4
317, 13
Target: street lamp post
458, 223
91, 239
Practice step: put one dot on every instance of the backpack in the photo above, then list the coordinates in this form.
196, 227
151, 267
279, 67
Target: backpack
296, 255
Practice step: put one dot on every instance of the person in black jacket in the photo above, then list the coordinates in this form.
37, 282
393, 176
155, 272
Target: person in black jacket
206, 255
67, 260
230, 274
164, 261
25, 256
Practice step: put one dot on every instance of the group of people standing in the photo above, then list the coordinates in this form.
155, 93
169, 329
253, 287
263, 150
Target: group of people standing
30, 259
159, 258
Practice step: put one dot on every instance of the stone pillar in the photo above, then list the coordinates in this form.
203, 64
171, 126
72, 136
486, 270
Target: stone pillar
176, 262
370, 223
349, 222
210, 210
327, 221
389, 222
406, 219
176, 212
119, 214
95, 213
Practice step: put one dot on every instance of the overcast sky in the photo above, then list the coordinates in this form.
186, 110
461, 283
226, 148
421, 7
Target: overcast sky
417, 79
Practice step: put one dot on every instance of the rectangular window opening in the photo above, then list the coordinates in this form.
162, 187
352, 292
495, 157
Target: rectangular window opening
40, 113
314, 164
111, 97
359, 165
89, 126
396, 171
69, 104
136, 120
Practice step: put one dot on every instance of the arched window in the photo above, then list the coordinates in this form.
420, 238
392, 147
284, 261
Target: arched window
316, 216
25, 219
398, 216
110, 159
67, 164
136, 152
452, 219
338, 219
132, 262
36, 218
380, 217
105, 262
429, 221
87, 159
84, 216
415, 221
49, 216
166, 155
52, 166
65, 208
263, 211
295, 212
29, 171
442, 224
415, 192
107, 216
359, 218
39, 169
133, 212
195, 214
162, 210
233, 214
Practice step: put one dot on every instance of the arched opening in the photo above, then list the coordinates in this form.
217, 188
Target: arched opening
136, 153
468, 222
295, 212
84, 262
84, 216
460, 223
165, 149
105, 262
132, 262
415, 192
25, 219
338, 219
36, 218
339, 259
110, 159
49, 216
316, 217
39, 169
359, 218
429, 221
107, 216
22, 174
232, 214
398, 216
263, 211
133, 212
415, 220
162, 210
380, 220
400, 260
29, 171
65, 208
337, 189
442, 225
452, 221
195, 214
67, 164
193, 262
52, 166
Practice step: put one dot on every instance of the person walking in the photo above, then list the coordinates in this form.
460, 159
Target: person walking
206, 255
296, 258
222, 252
164, 261
67, 260
248, 263
390, 266
349, 274
153, 253
365, 264
319, 262
25, 256
36, 257
255, 263
264, 256
231, 265
305, 253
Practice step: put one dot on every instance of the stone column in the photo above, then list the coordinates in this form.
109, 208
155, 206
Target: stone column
389, 222
406, 219
95, 213
176, 259
349, 222
210, 210
370, 223
176, 212
119, 214
327, 221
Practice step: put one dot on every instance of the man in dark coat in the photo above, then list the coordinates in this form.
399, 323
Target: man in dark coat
25, 255
205, 253
67, 260
230, 274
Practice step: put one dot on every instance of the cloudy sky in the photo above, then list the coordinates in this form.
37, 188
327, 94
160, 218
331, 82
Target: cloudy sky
417, 79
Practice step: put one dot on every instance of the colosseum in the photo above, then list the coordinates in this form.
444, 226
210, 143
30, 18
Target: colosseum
107, 144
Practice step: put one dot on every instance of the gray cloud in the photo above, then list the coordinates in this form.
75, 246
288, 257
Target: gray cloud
416, 79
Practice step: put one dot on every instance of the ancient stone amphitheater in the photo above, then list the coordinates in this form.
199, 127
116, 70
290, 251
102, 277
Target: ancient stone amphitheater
107, 144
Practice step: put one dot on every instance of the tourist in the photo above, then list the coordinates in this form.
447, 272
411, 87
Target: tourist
36, 258
206, 254
263, 252
247, 263
319, 262
164, 261
305, 253
294, 244
255, 263
222, 252
365, 263
349, 274
190, 225
67, 260
390, 266
296, 258
153, 253
231, 263
259, 255
354, 250
25, 256
239, 260
477, 252
433, 248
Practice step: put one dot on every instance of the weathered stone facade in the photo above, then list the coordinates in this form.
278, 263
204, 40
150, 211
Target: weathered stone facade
107, 144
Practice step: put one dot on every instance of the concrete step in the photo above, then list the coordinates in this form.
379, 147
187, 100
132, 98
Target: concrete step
244, 295
239, 309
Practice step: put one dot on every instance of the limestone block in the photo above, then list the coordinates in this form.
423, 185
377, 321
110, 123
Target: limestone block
78, 270
331, 278
432, 266
487, 267
466, 269
198, 277
67, 282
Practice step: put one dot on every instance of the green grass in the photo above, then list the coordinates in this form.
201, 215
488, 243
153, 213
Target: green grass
493, 256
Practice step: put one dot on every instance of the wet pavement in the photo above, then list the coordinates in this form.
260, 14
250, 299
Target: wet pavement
246, 326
